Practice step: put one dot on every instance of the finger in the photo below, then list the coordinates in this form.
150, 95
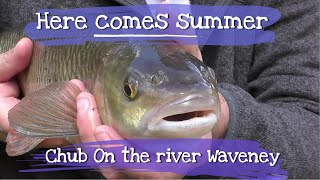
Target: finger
105, 131
15, 60
87, 116
153, 175
79, 83
9, 89
60, 142
87, 121
112, 173
6, 104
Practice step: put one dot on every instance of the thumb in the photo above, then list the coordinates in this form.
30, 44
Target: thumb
15, 60
88, 118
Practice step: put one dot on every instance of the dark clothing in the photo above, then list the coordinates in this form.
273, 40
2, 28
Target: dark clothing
272, 89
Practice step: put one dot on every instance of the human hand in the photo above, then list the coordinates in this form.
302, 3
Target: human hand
91, 129
11, 63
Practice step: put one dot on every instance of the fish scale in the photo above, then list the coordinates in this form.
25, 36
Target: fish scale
61, 64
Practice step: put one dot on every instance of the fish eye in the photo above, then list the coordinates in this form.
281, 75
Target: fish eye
130, 90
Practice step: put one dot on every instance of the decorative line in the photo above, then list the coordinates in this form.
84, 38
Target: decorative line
142, 35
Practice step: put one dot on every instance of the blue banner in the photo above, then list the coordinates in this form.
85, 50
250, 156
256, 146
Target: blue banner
188, 24
243, 159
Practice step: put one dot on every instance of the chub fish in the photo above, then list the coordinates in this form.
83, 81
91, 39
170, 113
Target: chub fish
142, 90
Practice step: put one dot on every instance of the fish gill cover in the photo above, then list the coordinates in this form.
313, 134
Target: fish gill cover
188, 24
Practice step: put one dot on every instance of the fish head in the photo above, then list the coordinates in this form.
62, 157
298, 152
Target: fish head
163, 92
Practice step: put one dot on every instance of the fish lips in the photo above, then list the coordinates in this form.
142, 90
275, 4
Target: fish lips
191, 116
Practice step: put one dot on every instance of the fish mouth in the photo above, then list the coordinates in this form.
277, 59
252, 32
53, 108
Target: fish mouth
187, 116
191, 116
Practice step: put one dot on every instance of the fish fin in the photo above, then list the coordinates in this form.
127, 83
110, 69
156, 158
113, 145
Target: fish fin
47, 113
18, 144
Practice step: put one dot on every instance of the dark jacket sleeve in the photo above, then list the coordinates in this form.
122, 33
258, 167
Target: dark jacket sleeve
280, 107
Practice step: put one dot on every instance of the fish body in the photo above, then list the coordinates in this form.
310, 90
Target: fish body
142, 90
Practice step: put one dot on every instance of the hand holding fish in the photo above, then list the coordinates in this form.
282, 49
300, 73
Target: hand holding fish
11, 63
91, 129
176, 110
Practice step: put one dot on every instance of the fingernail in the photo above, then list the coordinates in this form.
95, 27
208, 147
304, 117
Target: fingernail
83, 104
103, 136
101, 133
20, 43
